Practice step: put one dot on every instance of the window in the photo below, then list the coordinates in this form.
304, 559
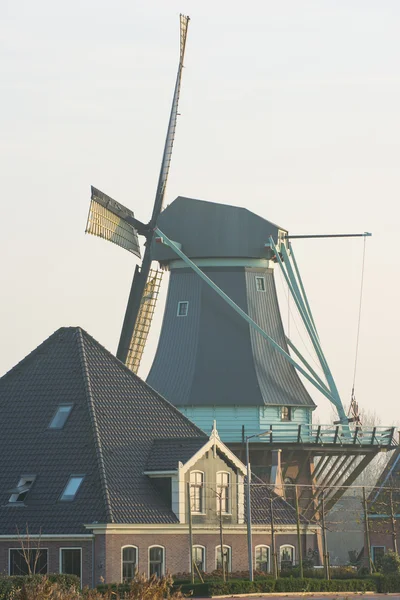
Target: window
260, 284
183, 308
19, 493
71, 561
156, 561
262, 559
129, 562
227, 559
61, 416
378, 552
32, 562
72, 487
197, 492
286, 413
199, 557
223, 494
287, 556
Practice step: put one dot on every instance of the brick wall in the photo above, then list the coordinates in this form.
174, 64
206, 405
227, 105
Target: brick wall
53, 555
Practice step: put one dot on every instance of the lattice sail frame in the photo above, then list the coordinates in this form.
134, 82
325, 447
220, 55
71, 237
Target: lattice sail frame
144, 319
103, 223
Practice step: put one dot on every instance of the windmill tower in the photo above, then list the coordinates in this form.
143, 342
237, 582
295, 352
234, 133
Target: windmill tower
222, 353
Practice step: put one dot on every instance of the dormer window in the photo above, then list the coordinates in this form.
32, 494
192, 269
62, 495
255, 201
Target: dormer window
197, 492
19, 493
286, 413
260, 284
183, 308
61, 416
223, 493
72, 487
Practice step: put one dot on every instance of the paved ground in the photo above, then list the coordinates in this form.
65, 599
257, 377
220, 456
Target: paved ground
317, 596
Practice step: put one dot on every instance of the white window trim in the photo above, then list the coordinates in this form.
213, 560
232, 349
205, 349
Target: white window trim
204, 556
60, 558
73, 476
187, 310
20, 550
203, 498
230, 556
287, 546
258, 278
229, 512
22, 480
269, 556
163, 562
122, 558
55, 413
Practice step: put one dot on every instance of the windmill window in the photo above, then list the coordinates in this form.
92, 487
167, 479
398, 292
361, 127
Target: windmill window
19, 493
61, 416
260, 284
183, 308
286, 413
72, 487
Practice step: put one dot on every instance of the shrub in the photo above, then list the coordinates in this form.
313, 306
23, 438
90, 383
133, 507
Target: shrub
24, 586
390, 563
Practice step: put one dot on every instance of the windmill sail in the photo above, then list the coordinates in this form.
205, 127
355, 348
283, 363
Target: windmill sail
105, 223
141, 276
144, 319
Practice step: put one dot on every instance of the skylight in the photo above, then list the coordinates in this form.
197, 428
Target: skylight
72, 487
61, 416
19, 493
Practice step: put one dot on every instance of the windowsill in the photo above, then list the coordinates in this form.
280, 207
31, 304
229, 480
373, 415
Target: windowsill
198, 514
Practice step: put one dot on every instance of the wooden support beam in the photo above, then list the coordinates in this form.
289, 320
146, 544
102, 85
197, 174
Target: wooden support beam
287, 465
352, 477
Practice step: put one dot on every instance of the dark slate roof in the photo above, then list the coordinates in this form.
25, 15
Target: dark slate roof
165, 454
107, 437
211, 230
284, 512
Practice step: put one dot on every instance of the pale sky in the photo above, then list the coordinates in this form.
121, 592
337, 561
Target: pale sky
288, 108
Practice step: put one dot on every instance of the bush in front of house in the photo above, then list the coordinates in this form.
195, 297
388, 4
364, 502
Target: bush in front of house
14, 586
390, 563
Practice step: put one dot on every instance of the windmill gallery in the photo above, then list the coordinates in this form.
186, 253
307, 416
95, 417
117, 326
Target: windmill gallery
118, 470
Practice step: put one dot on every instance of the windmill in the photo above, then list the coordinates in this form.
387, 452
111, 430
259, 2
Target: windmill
114, 222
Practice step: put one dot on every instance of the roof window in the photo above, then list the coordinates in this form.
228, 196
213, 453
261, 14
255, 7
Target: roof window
72, 487
19, 493
61, 416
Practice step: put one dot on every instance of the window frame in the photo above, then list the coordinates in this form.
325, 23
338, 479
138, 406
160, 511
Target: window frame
21, 482
181, 303
204, 570
71, 498
202, 493
20, 550
60, 559
229, 557
71, 406
269, 556
229, 495
373, 553
163, 560
293, 548
290, 414
260, 278
122, 560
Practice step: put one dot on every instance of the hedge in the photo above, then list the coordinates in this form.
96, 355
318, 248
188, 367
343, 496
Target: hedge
9, 583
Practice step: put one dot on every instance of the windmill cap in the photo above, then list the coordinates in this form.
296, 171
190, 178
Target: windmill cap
211, 230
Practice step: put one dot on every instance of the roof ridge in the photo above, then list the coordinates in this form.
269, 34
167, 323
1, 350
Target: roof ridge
92, 413
123, 367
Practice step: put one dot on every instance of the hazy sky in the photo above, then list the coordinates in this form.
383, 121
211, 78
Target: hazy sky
289, 108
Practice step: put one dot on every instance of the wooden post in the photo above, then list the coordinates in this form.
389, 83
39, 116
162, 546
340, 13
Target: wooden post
273, 546
393, 520
324, 542
299, 544
366, 527
190, 532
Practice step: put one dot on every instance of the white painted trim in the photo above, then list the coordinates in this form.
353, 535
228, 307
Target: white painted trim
204, 556
203, 489
269, 556
122, 558
261, 263
215, 441
287, 546
181, 528
230, 556
60, 561
148, 558
20, 550
229, 488
50, 536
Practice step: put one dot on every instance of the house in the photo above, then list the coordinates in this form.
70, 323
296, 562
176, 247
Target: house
97, 468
